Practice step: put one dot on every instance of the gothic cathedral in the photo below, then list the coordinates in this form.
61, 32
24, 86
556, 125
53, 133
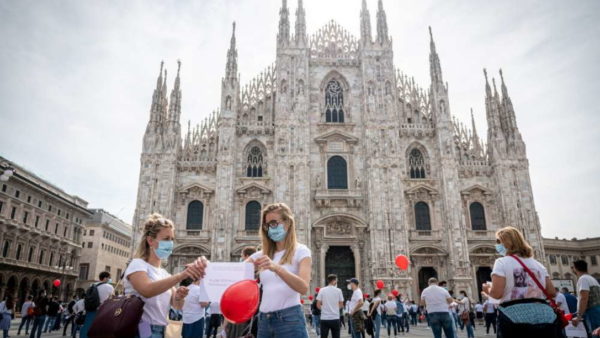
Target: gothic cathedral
371, 164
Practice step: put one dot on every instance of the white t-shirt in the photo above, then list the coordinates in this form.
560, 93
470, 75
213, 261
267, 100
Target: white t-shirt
478, 307
390, 307
25, 308
215, 308
519, 284
277, 295
377, 300
104, 291
79, 306
192, 310
489, 307
435, 299
365, 306
156, 309
330, 298
464, 305
560, 298
585, 283
357, 296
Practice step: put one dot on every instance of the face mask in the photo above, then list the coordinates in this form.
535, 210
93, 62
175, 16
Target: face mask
348, 287
164, 250
277, 234
500, 249
110, 281
461, 297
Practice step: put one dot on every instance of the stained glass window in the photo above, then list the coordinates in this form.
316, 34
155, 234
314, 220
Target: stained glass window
416, 164
334, 102
254, 167
337, 173
195, 215
422, 219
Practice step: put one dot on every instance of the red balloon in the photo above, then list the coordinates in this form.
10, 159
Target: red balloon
240, 301
56, 282
301, 301
395, 293
402, 262
317, 290
310, 297
366, 295
568, 316
380, 284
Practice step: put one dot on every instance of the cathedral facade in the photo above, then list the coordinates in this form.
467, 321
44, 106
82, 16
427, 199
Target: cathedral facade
371, 164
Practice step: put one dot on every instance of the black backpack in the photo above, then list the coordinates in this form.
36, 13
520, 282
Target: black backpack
314, 309
70, 307
92, 298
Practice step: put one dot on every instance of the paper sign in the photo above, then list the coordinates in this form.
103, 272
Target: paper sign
219, 276
576, 331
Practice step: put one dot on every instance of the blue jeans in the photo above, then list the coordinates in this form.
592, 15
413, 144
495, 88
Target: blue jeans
50, 321
441, 321
592, 318
24, 320
391, 323
193, 330
38, 323
377, 326
317, 323
89, 319
288, 323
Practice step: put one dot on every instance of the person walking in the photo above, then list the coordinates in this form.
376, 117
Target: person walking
40, 312
95, 295
284, 267
144, 276
329, 301
390, 311
316, 316
588, 302
70, 316
193, 311
479, 312
79, 311
490, 309
356, 315
436, 300
464, 313
413, 310
400, 310
53, 308
7, 310
26, 315
375, 313
510, 281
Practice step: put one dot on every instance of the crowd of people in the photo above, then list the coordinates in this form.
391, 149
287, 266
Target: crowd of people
283, 268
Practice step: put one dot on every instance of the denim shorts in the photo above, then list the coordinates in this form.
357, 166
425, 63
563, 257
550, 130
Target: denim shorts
288, 323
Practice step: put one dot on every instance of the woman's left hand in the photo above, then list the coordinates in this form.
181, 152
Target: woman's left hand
181, 292
265, 262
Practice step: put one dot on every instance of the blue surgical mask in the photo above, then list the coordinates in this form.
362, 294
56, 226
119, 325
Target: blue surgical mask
164, 250
110, 281
277, 234
500, 249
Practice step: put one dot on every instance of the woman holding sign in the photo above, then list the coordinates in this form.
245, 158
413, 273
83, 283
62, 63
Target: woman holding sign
146, 278
284, 267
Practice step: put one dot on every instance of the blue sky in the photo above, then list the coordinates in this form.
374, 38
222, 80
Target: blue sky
77, 79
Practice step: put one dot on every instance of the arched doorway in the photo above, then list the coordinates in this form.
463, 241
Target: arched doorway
47, 286
35, 287
23, 291
425, 273
484, 274
339, 260
11, 287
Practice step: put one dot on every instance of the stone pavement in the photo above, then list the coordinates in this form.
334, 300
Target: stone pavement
418, 331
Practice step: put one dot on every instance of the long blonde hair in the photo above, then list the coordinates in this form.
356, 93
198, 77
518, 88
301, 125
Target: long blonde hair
514, 242
153, 225
268, 245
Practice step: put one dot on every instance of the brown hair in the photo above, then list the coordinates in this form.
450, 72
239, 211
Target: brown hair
514, 242
153, 225
248, 251
268, 245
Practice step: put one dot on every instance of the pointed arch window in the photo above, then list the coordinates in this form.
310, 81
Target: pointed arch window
416, 164
252, 216
337, 173
254, 166
477, 216
422, 219
334, 102
195, 216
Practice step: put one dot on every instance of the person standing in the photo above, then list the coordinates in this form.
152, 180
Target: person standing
26, 315
355, 306
7, 310
375, 313
479, 312
193, 311
330, 300
96, 294
390, 311
571, 300
144, 276
588, 302
284, 266
70, 318
215, 320
489, 309
40, 312
53, 308
79, 311
436, 300
464, 313
413, 310
399, 313
316, 316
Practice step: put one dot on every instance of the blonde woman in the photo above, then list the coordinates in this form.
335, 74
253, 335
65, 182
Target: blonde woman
146, 278
284, 267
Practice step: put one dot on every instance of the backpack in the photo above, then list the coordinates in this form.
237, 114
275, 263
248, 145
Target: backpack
314, 309
411, 310
92, 298
70, 307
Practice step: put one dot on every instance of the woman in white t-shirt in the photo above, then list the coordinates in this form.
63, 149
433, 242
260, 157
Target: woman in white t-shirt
509, 280
375, 313
464, 310
144, 276
284, 267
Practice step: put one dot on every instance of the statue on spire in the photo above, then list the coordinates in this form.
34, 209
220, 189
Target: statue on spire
283, 36
300, 24
365, 24
382, 28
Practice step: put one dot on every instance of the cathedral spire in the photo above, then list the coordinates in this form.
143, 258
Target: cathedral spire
175, 100
231, 70
488, 90
300, 24
382, 28
365, 24
157, 96
476, 140
507, 105
163, 99
435, 68
492, 114
283, 36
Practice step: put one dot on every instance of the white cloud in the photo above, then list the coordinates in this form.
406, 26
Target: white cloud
77, 80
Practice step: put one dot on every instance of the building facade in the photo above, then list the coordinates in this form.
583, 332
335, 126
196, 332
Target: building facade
561, 253
40, 234
106, 246
371, 164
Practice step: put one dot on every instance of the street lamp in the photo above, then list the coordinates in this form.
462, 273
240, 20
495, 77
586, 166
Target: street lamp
7, 172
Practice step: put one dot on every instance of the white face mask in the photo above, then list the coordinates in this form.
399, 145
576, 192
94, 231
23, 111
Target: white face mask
349, 287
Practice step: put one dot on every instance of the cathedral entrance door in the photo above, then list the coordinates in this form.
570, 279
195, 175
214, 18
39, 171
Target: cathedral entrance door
424, 274
484, 274
339, 260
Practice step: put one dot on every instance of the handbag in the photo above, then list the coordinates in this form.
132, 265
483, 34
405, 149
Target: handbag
174, 329
559, 312
118, 316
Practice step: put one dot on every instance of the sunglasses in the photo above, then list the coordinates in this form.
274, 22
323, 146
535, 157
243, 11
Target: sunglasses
272, 224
